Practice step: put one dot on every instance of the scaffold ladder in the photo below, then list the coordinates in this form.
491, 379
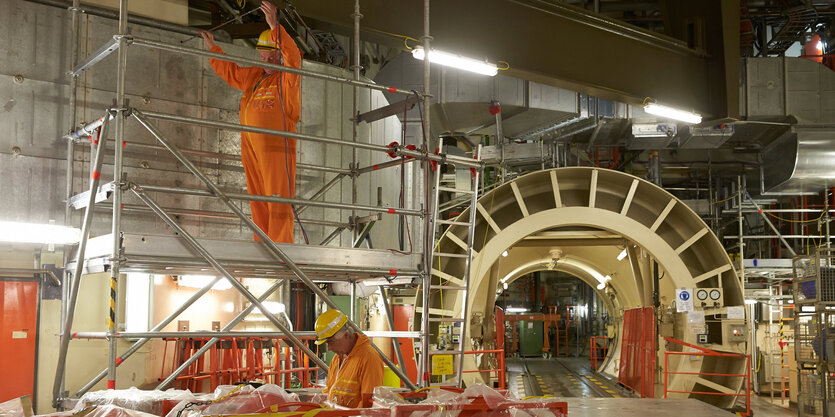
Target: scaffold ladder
448, 282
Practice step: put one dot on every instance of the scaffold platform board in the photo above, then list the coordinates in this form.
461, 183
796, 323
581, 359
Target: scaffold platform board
170, 255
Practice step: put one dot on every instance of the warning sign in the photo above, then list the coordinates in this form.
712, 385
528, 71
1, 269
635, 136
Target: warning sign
442, 365
684, 299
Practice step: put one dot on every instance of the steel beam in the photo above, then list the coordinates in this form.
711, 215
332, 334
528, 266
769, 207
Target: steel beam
586, 52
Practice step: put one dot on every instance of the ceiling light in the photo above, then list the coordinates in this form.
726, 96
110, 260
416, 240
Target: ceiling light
516, 309
456, 61
748, 301
16, 232
672, 113
622, 255
504, 254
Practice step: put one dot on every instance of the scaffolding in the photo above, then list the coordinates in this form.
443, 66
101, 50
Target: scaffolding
121, 251
814, 328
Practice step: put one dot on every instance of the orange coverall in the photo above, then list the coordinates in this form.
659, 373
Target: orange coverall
358, 374
271, 101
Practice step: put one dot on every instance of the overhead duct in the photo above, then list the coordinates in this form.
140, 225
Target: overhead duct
462, 100
800, 161
799, 95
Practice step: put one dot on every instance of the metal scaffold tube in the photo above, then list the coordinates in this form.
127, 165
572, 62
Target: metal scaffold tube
223, 271
400, 151
429, 238
141, 342
354, 117
225, 333
256, 63
265, 240
75, 282
284, 200
117, 193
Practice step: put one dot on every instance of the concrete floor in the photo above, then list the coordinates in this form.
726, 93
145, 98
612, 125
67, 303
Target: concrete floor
572, 379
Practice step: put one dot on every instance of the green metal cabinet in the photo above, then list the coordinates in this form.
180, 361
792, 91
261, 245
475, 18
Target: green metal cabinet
530, 338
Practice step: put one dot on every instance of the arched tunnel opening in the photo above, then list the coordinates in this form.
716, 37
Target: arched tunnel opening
553, 314
631, 239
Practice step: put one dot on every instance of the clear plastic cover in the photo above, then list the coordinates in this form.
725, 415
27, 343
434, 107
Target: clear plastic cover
231, 399
148, 401
105, 410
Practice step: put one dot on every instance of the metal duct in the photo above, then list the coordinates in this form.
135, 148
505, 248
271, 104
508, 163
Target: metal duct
800, 161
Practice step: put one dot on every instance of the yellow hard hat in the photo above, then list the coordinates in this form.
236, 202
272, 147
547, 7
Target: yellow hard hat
328, 324
265, 41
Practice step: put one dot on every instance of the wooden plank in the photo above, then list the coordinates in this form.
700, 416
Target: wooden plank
489, 219
629, 197
712, 273
663, 215
556, 187
519, 199
593, 189
691, 241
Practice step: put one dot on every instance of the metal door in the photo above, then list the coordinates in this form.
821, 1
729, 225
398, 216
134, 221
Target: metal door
18, 337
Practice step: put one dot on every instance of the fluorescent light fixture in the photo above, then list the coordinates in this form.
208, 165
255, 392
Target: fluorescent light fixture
672, 113
200, 281
516, 309
622, 255
456, 61
504, 254
749, 302
16, 232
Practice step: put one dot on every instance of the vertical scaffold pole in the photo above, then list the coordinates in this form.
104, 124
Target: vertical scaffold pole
429, 237
355, 121
117, 193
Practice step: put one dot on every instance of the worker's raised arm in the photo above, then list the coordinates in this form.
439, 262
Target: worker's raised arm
288, 47
232, 73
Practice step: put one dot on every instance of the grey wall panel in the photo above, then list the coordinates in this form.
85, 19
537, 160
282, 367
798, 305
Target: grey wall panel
34, 41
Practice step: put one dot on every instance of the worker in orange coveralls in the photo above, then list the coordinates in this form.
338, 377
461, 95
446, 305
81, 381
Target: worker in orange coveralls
271, 99
356, 368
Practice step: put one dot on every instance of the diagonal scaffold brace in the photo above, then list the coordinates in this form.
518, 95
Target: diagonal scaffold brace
266, 241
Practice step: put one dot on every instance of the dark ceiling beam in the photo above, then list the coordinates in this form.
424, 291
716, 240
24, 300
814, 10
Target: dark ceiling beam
569, 47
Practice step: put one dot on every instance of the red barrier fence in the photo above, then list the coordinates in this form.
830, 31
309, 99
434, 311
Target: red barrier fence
637, 354
599, 348
235, 359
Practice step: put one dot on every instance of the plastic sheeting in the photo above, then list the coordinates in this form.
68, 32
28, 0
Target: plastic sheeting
476, 401
106, 410
231, 399
154, 402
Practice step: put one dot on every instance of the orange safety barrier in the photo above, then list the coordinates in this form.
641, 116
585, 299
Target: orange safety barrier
499, 370
637, 354
707, 352
234, 359
598, 353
